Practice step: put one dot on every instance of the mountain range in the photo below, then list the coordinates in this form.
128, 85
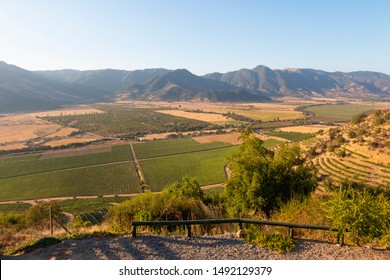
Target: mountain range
23, 90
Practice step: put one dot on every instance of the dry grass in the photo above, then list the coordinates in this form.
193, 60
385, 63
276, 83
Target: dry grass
64, 131
263, 111
306, 128
76, 110
67, 141
25, 132
16, 146
206, 117
232, 138
16, 130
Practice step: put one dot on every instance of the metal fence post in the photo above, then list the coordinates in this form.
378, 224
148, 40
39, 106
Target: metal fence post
188, 230
134, 231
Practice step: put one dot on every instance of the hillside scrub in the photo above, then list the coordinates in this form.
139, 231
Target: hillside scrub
180, 201
262, 179
359, 211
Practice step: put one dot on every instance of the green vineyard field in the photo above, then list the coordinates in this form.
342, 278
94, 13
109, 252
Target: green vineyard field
206, 166
99, 180
25, 165
171, 147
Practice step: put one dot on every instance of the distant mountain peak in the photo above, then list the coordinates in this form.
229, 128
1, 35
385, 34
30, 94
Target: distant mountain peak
23, 90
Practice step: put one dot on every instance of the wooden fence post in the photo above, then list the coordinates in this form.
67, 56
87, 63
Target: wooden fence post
291, 232
340, 238
51, 220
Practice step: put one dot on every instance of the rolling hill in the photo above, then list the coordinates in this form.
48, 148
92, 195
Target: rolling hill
181, 85
22, 90
308, 82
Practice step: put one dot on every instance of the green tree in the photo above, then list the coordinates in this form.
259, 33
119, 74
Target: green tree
261, 179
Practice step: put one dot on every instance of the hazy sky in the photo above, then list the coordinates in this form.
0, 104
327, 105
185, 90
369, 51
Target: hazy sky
202, 36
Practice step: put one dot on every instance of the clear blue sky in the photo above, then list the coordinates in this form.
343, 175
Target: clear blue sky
202, 36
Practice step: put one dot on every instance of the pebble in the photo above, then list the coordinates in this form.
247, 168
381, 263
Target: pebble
195, 248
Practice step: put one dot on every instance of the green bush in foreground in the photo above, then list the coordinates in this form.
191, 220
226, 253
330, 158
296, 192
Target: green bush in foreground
365, 215
274, 241
173, 203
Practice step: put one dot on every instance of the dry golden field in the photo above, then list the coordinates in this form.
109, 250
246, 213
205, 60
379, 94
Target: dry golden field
232, 138
206, 117
8, 147
67, 141
75, 110
306, 128
18, 129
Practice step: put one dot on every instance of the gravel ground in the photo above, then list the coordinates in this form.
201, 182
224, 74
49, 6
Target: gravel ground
195, 248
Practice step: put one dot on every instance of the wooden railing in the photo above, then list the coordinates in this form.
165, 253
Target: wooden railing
239, 221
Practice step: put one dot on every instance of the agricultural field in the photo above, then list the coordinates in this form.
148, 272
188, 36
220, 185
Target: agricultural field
315, 128
206, 117
82, 205
268, 115
357, 151
29, 177
17, 131
290, 136
206, 166
14, 207
113, 178
164, 162
340, 112
170, 147
353, 168
127, 122
24, 165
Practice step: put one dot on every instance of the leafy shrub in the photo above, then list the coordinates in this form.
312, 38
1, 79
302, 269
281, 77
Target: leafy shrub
362, 132
305, 210
168, 205
80, 223
274, 241
366, 216
358, 118
352, 134
379, 121
12, 220
384, 241
188, 187
37, 214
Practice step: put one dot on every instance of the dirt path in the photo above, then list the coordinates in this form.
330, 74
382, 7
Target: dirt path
224, 247
39, 200
137, 165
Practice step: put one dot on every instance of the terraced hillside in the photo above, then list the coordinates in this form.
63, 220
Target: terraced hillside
358, 151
